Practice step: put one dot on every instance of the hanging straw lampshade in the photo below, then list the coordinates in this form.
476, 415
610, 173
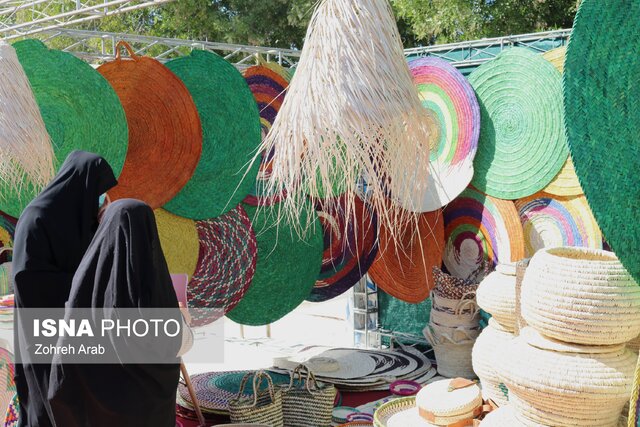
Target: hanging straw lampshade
351, 111
165, 137
26, 153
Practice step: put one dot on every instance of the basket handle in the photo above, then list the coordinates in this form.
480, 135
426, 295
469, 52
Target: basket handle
123, 44
307, 379
5, 249
257, 381
463, 303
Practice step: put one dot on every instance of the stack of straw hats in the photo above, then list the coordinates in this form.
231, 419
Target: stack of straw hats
570, 366
454, 324
497, 296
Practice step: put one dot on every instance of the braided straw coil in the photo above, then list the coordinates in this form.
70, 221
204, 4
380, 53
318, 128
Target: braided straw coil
179, 241
497, 295
480, 228
165, 137
554, 383
549, 223
404, 268
230, 134
448, 95
79, 107
581, 295
522, 143
485, 353
634, 344
602, 117
26, 153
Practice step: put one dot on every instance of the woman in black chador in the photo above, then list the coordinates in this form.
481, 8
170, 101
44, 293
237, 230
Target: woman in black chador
123, 268
52, 235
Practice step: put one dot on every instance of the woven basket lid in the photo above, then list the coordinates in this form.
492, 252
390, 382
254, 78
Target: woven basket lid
480, 228
7, 232
350, 246
445, 92
601, 93
231, 134
548, 223
165, 138
403, 268
501, 417
522, 143
79, 107
268, 83
179, 241
444, 400
226, 265
286, 270
214, 390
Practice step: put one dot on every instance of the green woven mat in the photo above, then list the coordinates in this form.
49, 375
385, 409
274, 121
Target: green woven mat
286, 269
80, 110
231, 135
399, 316
522, 144
602, 104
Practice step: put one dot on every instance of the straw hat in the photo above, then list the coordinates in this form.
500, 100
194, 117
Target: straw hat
268, 83
403, 268
165, 138
447, 94
522, 143
350, 246
7, 230
600, 76
484, 357
566, 385
581, 295
440, 403
480, 228
548, 223
286, 269
231, 134
497, 295
79, 107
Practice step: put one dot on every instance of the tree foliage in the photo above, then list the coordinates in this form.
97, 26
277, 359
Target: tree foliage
282, 23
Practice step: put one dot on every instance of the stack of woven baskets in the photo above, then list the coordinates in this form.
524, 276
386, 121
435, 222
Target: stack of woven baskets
497, 296
570, 367
454, 324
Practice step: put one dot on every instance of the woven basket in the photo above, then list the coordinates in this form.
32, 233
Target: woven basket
453, 356
634, 344
497, 295
501, 417
566, 385
454, 313
384, 413
262, 408
489, 345
309, 403
580, 295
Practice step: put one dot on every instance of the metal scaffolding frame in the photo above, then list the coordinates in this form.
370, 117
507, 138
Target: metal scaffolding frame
48, 15
100, 46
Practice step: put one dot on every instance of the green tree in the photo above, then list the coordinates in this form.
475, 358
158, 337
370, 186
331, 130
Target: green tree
443, 21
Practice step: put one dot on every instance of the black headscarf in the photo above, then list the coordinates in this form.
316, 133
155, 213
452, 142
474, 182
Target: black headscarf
51, 237
124, 267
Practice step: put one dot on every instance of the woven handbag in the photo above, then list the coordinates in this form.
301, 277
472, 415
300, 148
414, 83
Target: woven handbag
308, 403
264, 407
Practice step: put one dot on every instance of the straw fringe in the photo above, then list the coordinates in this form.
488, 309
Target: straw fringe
26, 152
351, 112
